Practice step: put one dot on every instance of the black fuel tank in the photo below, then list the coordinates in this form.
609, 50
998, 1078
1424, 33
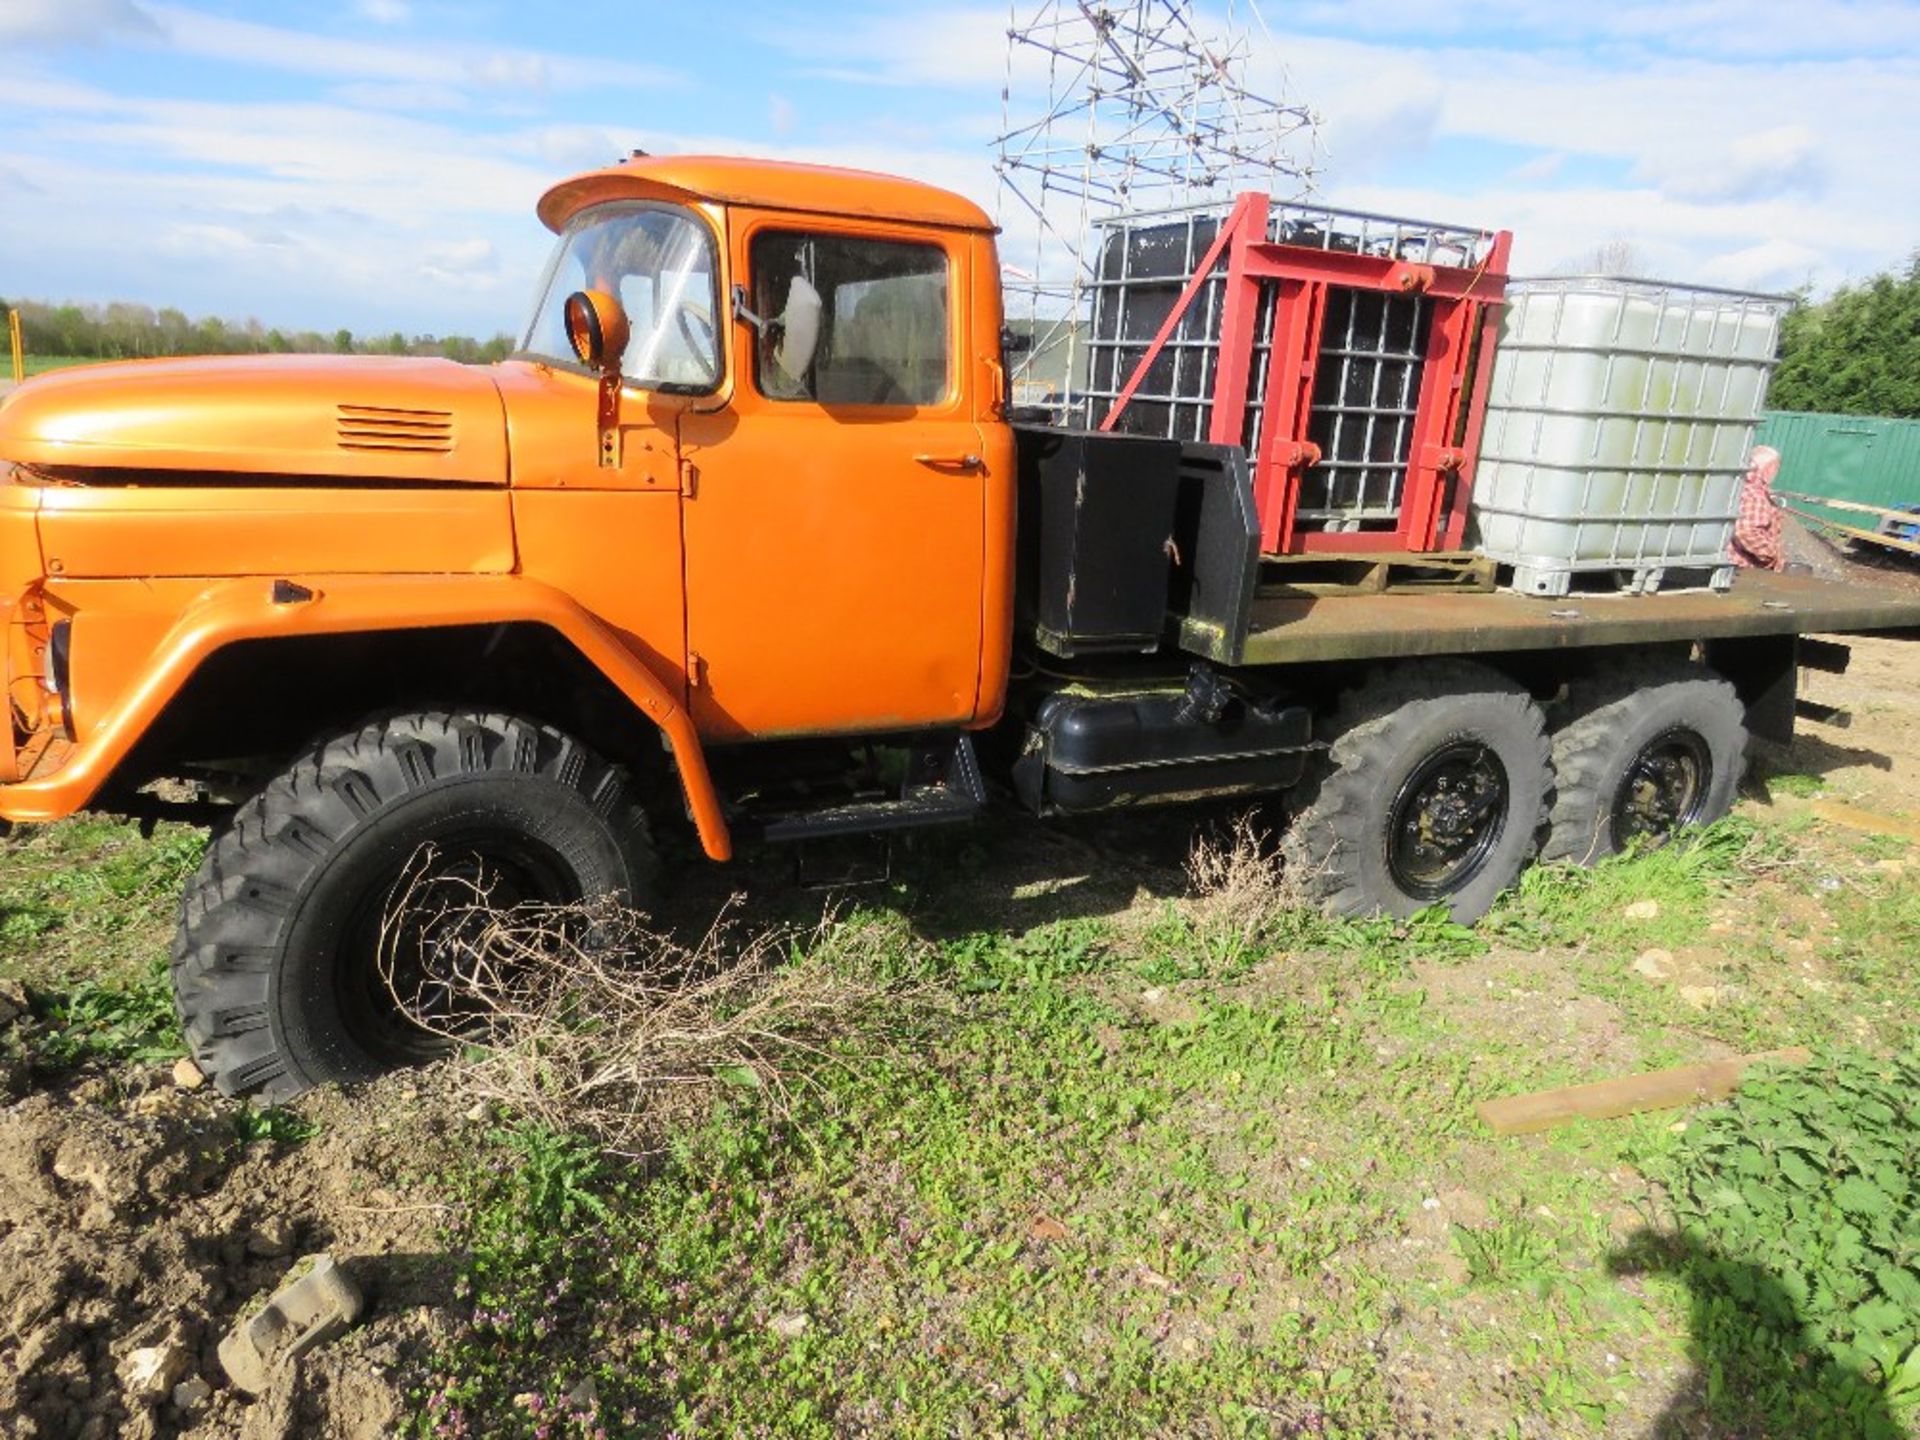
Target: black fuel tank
1094, 752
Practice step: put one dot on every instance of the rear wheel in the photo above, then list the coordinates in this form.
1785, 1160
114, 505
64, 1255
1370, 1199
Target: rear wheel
1641, 751
1432, 792
277, 964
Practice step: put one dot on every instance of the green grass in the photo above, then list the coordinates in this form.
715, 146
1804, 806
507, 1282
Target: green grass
1057, 1212
1141, 1166
1800, 787
1564, 905
86, 916
109, 1021
90, 898
1877, 934
1158, 1174
1799, 1236
273, 1124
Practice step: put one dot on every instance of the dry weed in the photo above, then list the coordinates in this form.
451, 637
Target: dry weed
1239, 881
584, 1018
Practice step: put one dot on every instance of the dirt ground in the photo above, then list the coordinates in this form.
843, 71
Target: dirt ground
134, 1217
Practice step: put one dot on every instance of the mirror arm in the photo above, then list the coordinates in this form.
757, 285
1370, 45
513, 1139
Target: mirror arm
608, 417
741, 312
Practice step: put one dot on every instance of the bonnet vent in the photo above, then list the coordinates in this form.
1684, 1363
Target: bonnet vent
383, 427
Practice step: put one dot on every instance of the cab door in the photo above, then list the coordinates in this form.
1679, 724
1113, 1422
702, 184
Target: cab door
835, 514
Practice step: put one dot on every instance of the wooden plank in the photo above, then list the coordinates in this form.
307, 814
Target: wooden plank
1874, 823
1854, 532
1910, 517
1605, 1099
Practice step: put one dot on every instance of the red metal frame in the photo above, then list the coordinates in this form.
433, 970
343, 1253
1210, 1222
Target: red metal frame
1433, 506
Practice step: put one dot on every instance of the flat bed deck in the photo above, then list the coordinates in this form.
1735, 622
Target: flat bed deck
1294, 629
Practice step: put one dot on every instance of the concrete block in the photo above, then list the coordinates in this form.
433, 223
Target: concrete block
319, 1304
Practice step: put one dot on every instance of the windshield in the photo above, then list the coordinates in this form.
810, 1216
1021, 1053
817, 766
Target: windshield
658, 261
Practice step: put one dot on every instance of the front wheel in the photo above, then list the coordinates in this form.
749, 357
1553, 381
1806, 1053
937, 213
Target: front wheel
1433, 792
277, 967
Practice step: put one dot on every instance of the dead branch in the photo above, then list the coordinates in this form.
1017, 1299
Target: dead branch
583, 1017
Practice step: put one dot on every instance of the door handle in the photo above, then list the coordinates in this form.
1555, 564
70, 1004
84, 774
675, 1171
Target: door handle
949, 462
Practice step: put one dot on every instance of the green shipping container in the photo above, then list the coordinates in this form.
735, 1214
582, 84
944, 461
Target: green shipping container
1845, 457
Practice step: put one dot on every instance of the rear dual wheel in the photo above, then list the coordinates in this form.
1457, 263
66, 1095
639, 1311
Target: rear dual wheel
1440, 782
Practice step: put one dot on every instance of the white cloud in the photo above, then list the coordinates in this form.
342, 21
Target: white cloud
562, 149
1783, 160
200, 240
400, 95
13, 182
364, 197
463, 261
73, 22
962, 46
508, 70
1739, 29
1714, 157
301, 52
1368, 124
1540, 167
1778, 265
385, 12
325, 214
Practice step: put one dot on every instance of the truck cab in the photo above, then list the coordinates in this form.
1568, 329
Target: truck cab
811, 377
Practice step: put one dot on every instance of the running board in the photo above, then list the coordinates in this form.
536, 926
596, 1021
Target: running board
944, 787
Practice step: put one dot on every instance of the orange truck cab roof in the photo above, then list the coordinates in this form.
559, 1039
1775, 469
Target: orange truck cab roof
769, 184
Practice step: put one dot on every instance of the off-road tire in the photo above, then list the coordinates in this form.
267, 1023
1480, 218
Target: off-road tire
1605, 722
261, 951
1382, 733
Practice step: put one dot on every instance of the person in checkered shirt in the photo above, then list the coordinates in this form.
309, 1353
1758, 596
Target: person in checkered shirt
1757, 539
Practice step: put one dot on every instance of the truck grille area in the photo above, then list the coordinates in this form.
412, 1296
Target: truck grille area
381, 427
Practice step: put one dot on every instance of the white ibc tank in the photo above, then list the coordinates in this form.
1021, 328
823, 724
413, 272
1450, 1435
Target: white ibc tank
1618, 422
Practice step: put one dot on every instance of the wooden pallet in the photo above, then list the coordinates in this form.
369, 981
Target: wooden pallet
1375, 574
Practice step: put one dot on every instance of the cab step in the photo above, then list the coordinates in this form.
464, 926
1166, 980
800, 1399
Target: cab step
943, 786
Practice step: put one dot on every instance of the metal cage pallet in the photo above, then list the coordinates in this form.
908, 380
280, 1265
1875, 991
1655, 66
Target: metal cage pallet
1341, 349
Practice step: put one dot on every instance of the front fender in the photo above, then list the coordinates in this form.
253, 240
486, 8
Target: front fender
258, 609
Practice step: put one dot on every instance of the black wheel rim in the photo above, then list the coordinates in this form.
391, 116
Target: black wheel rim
1446, 820
432, 938
1664, 788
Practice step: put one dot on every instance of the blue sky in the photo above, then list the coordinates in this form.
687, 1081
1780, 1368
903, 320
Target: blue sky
374, 163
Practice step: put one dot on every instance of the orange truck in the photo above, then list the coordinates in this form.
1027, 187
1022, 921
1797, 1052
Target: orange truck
745, 539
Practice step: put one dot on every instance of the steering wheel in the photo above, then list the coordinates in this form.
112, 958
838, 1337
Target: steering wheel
695, 325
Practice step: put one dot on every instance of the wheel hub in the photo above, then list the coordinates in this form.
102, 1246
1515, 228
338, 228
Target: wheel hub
405, 973
1447, 819
1664, 788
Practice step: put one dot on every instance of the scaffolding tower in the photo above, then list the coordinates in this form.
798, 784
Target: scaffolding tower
1114, 108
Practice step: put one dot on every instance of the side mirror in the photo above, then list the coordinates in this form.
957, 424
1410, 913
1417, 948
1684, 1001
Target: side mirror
799, 328
597, 329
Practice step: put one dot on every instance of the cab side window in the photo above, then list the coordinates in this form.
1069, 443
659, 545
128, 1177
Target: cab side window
850, 321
